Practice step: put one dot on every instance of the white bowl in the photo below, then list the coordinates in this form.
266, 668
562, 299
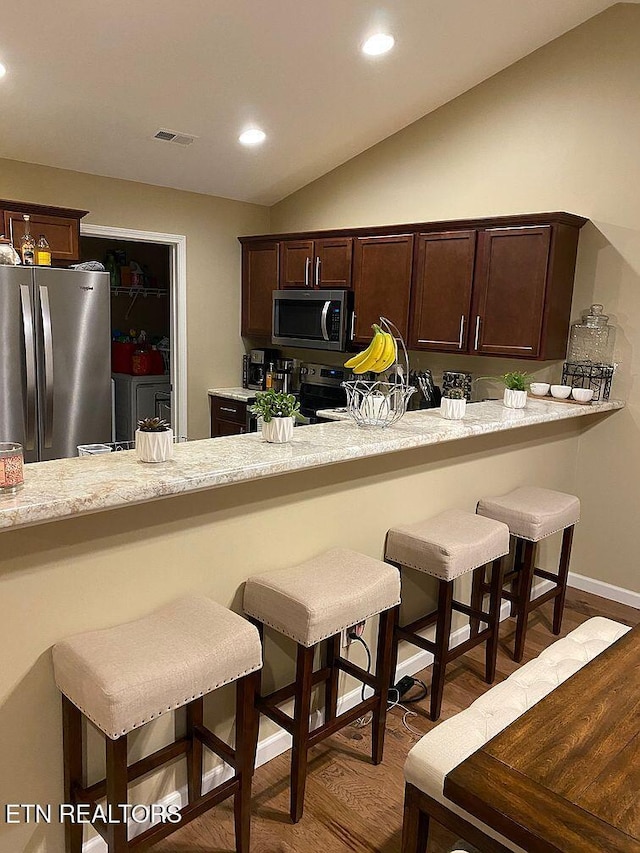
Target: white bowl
539, 389
560, 391
582, 395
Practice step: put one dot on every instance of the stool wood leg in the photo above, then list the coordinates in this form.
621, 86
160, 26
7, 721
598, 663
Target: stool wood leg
477, 597
72, 758
518, 561
443, 631
491, 650
565, 555
387, 622
116, 836
247, 721
332, 652
524, 598
195, 717
304, 672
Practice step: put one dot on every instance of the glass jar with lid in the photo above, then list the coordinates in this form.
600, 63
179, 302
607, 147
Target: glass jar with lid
592, 341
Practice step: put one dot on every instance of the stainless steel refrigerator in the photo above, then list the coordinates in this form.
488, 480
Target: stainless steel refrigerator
55, 360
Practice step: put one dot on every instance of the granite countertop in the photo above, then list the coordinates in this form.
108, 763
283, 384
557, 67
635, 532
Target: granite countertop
65, 488
244, 395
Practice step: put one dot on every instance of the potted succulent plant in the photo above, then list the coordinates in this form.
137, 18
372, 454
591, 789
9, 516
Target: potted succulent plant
453, 404
154, 440
515, 389
279, 412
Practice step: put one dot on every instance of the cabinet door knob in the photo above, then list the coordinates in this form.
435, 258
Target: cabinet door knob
475, 344
461, 338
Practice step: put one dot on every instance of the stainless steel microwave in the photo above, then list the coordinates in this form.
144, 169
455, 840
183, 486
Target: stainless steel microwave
317, 319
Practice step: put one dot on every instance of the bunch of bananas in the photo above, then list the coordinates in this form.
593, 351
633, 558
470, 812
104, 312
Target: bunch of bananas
378, 356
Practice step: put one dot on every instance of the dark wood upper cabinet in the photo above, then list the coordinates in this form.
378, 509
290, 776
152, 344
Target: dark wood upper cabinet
259, 280
60, 226
332, 265
510, 290
316, 263
441, 292
296, 263
497, 287
382, 282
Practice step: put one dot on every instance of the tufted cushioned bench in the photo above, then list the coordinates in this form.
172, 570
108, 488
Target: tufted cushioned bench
450, 743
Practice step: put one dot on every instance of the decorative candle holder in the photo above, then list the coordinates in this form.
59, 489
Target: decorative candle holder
11, 467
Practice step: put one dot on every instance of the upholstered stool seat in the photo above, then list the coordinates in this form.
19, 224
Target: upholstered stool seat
532, 514
125, 676
311, 603
448, 546
122, 677
319, 598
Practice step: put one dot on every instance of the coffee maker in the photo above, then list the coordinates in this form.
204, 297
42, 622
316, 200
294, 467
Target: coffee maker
283, 375
254, 368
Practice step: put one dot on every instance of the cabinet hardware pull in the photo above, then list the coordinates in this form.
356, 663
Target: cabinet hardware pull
307, 270
461, 338
318, 271
353, 324
226, 409
475, 345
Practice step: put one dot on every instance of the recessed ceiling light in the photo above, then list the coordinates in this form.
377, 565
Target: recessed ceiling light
253, 136
378, 44
3, 70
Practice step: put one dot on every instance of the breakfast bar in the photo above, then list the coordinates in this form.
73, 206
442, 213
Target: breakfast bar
93, 542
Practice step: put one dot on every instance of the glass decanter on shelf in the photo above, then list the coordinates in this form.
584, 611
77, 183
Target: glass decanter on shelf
592, 341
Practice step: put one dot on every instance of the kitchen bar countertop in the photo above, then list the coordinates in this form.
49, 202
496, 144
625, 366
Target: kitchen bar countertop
65, 488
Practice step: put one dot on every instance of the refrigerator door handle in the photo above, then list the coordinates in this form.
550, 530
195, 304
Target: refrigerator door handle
48, 365
30, 363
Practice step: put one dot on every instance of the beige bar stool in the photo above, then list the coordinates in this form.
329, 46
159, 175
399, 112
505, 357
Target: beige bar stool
121, 678
448, 546
532, 514
312, 603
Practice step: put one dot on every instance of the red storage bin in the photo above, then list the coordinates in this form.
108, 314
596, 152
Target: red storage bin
122, 357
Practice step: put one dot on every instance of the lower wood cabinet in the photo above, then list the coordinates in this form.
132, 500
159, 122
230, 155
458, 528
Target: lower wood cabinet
228, 417
382, 282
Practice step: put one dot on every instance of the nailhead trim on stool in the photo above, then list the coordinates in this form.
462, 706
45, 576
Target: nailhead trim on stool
448, 546
533, 514
121, 677
312, 603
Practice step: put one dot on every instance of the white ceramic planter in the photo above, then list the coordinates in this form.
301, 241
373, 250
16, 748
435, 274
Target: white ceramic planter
451, 409
278, 430
154, 446
514, 399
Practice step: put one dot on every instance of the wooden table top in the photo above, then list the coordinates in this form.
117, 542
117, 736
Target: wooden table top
565, 777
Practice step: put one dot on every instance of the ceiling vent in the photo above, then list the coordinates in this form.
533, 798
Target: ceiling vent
175, 136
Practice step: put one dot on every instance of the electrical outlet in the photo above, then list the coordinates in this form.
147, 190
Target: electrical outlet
345, 640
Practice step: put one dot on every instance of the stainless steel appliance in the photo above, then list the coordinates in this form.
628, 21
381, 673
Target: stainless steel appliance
317, 319
321, 388
55, 362
283, 376
258, 364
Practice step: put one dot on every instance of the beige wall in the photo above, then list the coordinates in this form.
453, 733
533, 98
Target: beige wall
211, 226
557, 131
96, 571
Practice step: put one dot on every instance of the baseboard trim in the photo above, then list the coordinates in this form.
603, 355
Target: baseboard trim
605, 590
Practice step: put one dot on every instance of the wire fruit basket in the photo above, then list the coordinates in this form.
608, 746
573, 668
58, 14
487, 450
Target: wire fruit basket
381, 403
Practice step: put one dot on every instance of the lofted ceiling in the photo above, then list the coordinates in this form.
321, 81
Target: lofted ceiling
90, 81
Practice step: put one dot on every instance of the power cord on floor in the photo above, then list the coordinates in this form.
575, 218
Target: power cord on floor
361, 722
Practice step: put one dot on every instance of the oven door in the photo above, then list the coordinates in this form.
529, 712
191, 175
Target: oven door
312, 319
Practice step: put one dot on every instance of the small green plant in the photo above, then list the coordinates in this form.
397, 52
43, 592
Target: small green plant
153, 425
274, 404
515, 380
455, 394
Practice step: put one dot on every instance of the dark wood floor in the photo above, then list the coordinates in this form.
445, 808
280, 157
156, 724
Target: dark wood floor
351, 805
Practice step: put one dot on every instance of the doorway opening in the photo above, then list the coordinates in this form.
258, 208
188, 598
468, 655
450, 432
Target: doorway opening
148, 323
